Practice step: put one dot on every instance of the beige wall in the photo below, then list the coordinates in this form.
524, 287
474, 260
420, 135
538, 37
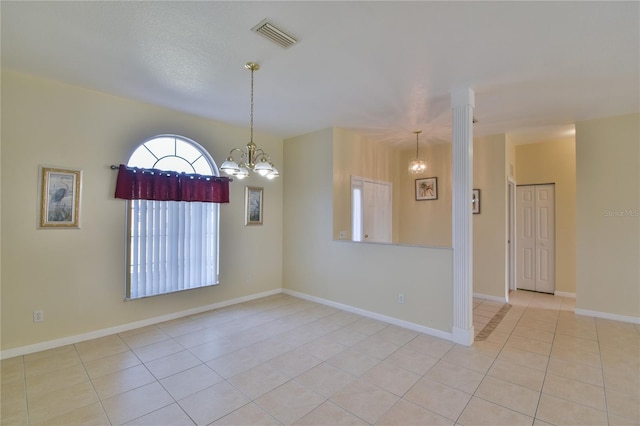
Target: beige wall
511, 163
427, 222
555, 162
77, 276
355, 155
361, 275
490, 226
608, 216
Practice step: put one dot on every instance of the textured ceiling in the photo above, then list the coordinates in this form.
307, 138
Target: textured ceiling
383, 68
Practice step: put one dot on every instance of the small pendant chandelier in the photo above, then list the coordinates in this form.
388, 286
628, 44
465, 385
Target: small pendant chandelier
251, 158
417, 166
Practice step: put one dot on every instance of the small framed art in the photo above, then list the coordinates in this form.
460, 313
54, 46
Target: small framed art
60, 198
475, 201
253, 205
427, 189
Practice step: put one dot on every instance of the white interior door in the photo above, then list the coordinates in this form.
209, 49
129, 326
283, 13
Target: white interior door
545, 239
535, 239
371, 204
376, 222
526, 241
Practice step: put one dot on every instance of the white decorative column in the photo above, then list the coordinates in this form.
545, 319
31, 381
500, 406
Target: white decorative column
462, 103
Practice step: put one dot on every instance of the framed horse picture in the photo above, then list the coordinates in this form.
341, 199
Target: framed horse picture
427, 189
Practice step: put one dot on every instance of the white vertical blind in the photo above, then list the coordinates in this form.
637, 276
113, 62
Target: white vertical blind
173, 246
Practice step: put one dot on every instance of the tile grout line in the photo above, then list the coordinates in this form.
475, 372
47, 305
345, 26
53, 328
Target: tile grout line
26, 394
84, 367
544, 378
604, 383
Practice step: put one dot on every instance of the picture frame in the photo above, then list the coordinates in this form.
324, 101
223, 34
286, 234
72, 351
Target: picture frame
475, 201
253, 205
60, 197
427, 189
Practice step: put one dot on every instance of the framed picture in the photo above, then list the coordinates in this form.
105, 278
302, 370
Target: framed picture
475, 201
427, 189
253, 205
60, 198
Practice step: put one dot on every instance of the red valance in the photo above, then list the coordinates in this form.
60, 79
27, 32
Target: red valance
160, 185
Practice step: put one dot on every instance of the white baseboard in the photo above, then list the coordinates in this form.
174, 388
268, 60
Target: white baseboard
384, 318
607, 315
70, 340
564, 294
489, 297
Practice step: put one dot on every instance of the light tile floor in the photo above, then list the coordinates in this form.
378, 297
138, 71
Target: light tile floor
282, 360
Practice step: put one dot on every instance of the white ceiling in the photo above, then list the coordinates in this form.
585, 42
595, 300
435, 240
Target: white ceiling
383, 68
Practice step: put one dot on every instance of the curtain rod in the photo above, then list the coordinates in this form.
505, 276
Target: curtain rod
114, 167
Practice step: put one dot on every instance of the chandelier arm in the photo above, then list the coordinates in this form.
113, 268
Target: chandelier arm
262, 154
235, 149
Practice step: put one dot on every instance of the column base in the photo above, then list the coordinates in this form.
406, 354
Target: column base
463, 336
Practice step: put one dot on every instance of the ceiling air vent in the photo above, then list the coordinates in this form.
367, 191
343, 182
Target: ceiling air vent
275, 34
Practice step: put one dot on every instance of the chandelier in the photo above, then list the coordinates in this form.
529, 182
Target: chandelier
417, 166
250, 157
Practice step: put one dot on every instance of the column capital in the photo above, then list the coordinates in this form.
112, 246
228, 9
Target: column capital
461, 96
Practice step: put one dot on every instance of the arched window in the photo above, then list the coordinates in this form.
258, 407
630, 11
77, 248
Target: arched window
171, 245
173, 153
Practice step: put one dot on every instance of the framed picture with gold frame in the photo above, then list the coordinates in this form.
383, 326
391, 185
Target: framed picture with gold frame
60, 197
253, 205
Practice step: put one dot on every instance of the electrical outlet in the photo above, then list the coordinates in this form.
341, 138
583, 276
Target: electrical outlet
400, 298
38, 316
249, 278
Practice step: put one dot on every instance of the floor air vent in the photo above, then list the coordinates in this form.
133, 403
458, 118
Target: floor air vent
275, 34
